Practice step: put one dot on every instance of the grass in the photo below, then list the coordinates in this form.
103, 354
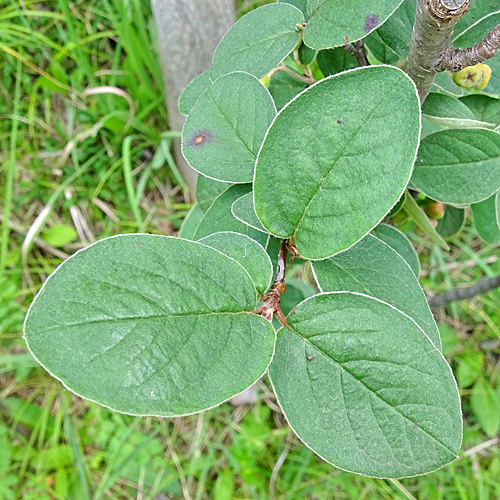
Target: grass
80, 164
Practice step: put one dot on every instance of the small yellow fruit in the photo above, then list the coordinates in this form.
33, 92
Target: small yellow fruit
473, 77
486, 77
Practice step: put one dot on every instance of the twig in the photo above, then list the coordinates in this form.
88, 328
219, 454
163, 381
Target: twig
458, 59
482, 286
303, 78
271, 304
433, 27
357, 50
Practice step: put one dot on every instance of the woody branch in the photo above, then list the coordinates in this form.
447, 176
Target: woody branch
458, 59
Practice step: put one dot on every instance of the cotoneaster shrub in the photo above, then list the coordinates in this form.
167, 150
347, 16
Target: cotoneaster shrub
304, 155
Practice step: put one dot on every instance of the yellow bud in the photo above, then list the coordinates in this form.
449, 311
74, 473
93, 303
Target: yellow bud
476, 77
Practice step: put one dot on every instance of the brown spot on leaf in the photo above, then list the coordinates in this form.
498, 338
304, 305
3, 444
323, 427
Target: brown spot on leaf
200, 138
371, 22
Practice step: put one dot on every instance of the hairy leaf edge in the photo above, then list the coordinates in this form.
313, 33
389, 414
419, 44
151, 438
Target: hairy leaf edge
458, 205
369, 68
357, 39
213, 83
440, 346
251, 239
331, 463
110, 407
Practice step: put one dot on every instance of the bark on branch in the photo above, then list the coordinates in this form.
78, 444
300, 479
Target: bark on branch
457, 59
357, 50
482, 286
435, 21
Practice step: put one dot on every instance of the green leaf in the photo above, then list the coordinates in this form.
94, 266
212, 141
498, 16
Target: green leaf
485, 108
220, 218
225, 128
243, 209
224, 486
150, 325
444, 83
373, 268
306, 54
452, 221
450, 112
334, 23
59, 235
259, 41
449, 339
379, 50
284, 88
399, 242
247, 252
338, 178
396, 32
300, 4
365, 388
458, 166
487, 218
207, 190
334, 61
485, 404
191, 222
414, 210
192, 92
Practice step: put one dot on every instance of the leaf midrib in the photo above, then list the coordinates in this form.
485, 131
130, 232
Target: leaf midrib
340, 155
147, 317
341, 367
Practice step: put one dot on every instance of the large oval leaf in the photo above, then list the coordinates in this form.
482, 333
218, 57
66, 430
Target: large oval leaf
345, 168
333, 23
259, 41
372, 267
150, 325
365, 388
225, 128
458, 166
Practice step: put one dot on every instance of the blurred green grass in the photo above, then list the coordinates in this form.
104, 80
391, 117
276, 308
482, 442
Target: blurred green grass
80, 164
